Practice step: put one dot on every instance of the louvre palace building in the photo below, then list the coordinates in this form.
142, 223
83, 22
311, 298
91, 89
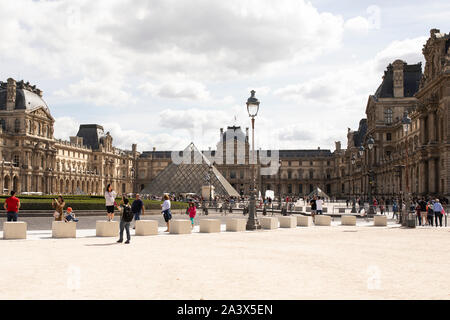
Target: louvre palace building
32, 160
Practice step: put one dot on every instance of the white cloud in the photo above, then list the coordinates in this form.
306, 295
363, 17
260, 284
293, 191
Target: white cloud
65, 127
409, 50
181, 89
362, 25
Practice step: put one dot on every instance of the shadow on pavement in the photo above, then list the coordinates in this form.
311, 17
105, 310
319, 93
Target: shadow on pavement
102, 244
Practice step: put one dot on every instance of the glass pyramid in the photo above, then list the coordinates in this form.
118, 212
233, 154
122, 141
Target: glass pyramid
189, 177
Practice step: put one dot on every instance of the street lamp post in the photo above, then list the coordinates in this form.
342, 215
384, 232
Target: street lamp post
353, 189
252, 109
279, 185
406, 122
370, 143
210, 191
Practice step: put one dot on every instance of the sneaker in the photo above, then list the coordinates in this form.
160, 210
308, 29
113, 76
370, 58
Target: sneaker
127, 242
119, 241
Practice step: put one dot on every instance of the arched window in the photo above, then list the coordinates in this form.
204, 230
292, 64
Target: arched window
388, 116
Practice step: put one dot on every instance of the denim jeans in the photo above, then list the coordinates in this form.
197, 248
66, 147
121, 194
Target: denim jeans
137, 216
11, 216
126, 226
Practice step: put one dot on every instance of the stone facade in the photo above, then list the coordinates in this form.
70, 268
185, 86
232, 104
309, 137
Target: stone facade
416, 161
33, 161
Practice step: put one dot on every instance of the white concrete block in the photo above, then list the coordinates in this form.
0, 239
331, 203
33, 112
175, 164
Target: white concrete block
321, 220
269, 222
61, 229
288, 222
107, 228
209, 225
180, 226
15, 230
304, 221
146, 227
348, 220
380, 221
236, 224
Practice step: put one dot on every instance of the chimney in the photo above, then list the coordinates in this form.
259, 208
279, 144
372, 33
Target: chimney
398, 66
11, 94
338, 145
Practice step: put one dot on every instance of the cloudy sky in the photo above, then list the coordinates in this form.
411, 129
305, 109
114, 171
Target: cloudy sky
163, 73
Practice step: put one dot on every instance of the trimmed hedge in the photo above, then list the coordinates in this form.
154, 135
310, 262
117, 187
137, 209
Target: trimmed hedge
82, 203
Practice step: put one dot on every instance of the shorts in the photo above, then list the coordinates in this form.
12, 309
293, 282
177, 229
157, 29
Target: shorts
110, 209
319, 211
313, 211
167, 215
192, 220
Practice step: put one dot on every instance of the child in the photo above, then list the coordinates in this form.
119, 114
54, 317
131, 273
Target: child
70, 215
192, 211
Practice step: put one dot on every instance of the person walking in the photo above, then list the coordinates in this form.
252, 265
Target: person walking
110, 202
165, 207
126, 217
394, 209
430, 213
138, 208
382, 206
437, 208
192, 211
12, 206
423, 211
418, 213
319, 205
58, 205
313, 205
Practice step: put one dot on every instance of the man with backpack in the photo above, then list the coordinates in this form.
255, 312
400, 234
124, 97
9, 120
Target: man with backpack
125, 219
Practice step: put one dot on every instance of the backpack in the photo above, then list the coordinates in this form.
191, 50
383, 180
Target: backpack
127, 215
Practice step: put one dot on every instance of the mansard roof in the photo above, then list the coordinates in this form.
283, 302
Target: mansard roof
358, 136
27, 97
412, 73
91, 134
304, 153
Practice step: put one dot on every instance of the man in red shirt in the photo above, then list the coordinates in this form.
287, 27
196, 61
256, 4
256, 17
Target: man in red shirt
12, 205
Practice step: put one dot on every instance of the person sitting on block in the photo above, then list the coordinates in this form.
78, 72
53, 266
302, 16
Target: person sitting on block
70, 215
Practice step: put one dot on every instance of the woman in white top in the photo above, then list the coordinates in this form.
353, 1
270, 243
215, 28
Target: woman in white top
110, 201
165, 207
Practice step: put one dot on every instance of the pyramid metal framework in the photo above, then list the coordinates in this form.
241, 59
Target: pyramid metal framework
190, 177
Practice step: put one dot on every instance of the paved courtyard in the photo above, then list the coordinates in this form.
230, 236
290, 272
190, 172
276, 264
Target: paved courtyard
337, 262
